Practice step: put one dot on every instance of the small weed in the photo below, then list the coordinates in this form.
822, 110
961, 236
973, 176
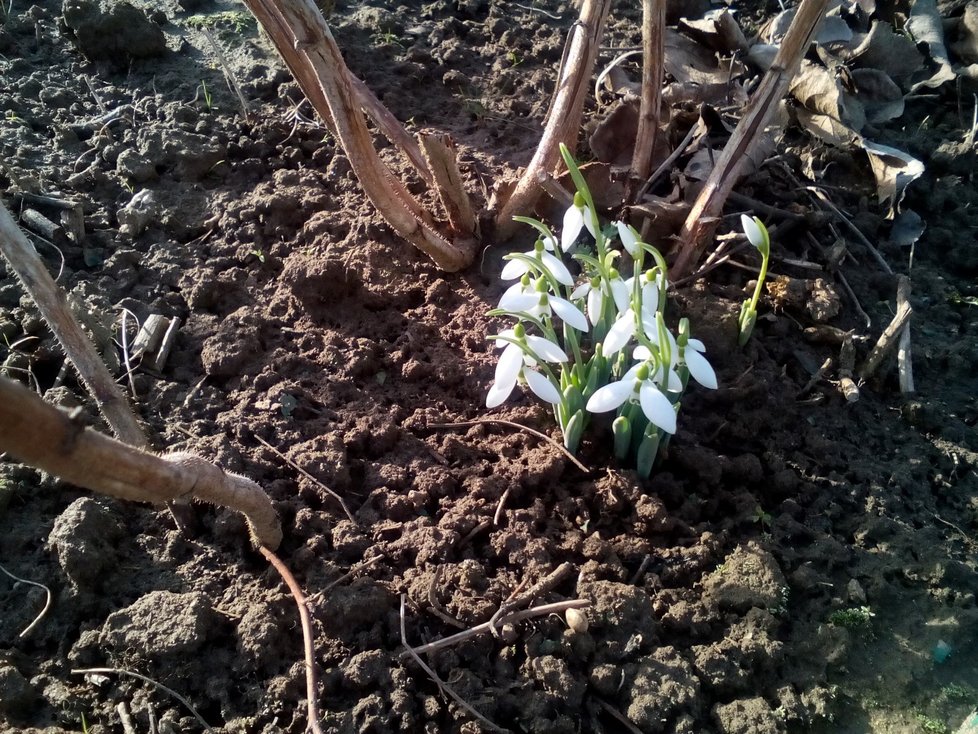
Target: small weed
237, 21
208, 99
259, 255
854, 619
956, 692
387, 38
930, 724
513, 59
764, 519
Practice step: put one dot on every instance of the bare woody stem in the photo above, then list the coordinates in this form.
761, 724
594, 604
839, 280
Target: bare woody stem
78, 348
564, 120
704, 214
47, 438
653, 52
304, 40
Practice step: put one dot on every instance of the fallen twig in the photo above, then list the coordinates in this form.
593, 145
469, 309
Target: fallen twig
826, 203
312, 693
228, 74
53, 440
904, 360
887, 341
512, 618
436, 607
468, 424
442, 685
307, 475
146, 679
47, 604
619, 717
542, 586
847, 362
352, 572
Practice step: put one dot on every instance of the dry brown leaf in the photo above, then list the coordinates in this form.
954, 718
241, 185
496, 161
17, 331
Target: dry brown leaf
966, 47
926, 27
718, 29
825, 128
894, 171
879, 95
614, 138
819, 90
688, 62
889, 52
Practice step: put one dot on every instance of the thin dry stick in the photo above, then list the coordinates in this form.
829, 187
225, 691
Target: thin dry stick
847, 362
826, 203
564, 121
904, 359
704, 214
542, 586
887, 341
124, 338
352, 572
436, 607
145, 679
41, 435
125, 718
47, 604
498, 515
619, 717
304, 40
228, 74
520, 426
442, 685
312, 703
78, 348
538, 611
699, 127
307, 475
653, 53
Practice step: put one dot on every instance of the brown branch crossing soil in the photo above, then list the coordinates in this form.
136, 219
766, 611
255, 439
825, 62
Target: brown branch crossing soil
309, 324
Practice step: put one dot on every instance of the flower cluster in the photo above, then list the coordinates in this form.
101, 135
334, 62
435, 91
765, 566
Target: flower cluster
598, 342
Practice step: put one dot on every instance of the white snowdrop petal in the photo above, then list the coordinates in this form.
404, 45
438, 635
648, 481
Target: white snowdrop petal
673, 382
753, 232
588, 222
502, 344
595, 305
619, 334
545, 349
621, 293
657, 407
498, 394
514, 269
509, 365
570, 313
641, 352
650, 298
571, 228
582, 290
700, 369
556, 268
543, 387
696, 344
609, 397
628, 239
549, 243
629, 377
518, 301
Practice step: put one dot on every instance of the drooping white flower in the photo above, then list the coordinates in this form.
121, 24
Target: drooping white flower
597, 291
537, 303
576, 217
547, 262
636, 384
515, 362
651, 285
619, 334
699, 368
629, 240
756, 233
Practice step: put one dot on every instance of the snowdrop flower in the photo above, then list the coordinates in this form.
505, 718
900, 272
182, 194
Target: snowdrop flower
629, 239
637, 385
598, 290
519, 360
577, 217
547, 262
619, 334
756, 233
652, 282
758, 236
690, 355
538, 301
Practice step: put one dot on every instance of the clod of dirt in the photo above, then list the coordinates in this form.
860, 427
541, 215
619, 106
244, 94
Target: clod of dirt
236, 341
660, 687
191, 156
190, 621
135, 166
113, 31
16, 694
141, 211
747, 716
84, 538
749, 577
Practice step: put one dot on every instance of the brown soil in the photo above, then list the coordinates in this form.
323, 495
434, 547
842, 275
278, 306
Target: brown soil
715, 587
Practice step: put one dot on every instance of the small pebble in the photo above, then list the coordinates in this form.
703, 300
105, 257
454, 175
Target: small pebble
576, 620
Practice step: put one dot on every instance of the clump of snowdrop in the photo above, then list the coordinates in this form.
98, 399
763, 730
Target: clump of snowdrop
758, 236
596, 342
